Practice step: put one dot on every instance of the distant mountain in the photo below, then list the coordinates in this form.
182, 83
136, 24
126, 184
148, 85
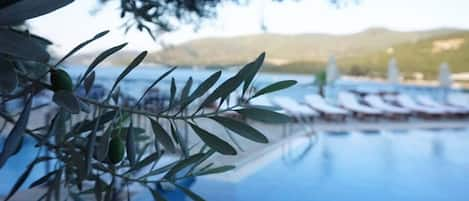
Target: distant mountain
363, 53
288, 49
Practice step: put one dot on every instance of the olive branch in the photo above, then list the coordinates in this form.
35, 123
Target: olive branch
102, 155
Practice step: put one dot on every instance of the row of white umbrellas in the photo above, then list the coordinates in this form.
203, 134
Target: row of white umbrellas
333, 74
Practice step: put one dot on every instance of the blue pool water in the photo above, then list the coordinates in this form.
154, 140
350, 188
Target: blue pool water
426, 165
17, 164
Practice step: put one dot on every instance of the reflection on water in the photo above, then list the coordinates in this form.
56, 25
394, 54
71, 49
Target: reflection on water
291, 154
370, 132
437, 148
326, 159
337, 133
398, 131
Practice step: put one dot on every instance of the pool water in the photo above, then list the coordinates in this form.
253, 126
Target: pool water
17, 164
427, 165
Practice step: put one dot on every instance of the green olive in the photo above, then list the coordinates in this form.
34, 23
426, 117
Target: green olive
116, 150
60, 80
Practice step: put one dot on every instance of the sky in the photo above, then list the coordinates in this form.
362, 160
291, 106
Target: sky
75, 23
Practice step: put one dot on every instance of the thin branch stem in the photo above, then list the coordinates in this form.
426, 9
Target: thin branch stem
156, 115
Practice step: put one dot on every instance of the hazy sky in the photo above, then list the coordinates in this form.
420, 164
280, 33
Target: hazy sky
74, 23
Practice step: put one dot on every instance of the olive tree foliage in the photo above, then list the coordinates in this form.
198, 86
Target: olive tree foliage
102, 155
155, 16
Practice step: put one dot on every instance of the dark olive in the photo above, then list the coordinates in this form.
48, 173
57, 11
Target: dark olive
116, 150
60, 80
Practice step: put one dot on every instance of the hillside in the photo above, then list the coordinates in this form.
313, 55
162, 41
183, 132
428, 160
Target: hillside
288, 49
364, 53
422, 56
120, 58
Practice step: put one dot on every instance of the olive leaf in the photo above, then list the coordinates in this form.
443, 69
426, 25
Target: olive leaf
264, 115
141, 150
206, 167
250, 70
87, 125
205, 85
103, 148
21, 46
156, 195
127, 70
162, 136
161, 170
172, 93
56, 185
58, 127
84, 107
115, 96
32, 69
90, 147
215, 170
207, 155
89, 81
130, 144
182, 164
43, 179
136, 132
19, 182
189, 193
275, 87
101, 57
154, 83
81, 45
177, 138
223, 90
25, 9
109, 194
67, 100
241, 128
186, 89
99, 187
16, 134
9, 78
213, 141
154, 157
201, 89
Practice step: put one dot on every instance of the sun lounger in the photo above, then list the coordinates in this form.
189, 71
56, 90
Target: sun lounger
459, 100
350, 102
407, 102
377, 102
318, 103
263, 101
427, 101
294, 108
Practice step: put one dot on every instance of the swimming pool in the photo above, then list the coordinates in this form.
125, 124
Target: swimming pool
427, 165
